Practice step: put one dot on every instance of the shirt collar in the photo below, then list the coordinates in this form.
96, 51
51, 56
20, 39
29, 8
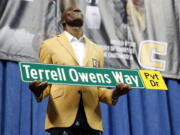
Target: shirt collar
71, 37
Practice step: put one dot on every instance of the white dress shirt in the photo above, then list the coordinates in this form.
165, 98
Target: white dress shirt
78, 46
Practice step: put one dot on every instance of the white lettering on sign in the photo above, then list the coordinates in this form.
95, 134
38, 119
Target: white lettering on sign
34, 73
86, 77
128, 79
73, 75
118, 77
54, 75
40, 74
27, 70
92, 77
47, 74
83, 76
108, 80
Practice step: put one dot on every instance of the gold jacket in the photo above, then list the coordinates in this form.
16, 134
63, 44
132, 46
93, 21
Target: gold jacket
64, 99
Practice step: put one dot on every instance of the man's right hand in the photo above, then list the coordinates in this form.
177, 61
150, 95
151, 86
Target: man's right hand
37, 87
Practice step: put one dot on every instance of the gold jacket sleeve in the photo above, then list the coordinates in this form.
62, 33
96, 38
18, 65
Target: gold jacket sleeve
45, 58
105, 95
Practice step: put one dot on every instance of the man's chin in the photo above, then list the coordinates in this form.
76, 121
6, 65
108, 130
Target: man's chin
75, 23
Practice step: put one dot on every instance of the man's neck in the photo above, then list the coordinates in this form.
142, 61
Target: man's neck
75, 31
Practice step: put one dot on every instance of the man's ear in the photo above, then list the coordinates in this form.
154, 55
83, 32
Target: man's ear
62, 22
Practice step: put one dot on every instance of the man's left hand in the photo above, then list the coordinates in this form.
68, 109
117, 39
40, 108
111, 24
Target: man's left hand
121, 89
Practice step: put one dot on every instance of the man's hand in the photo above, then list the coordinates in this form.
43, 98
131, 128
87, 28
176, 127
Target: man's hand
37, 87
121, 89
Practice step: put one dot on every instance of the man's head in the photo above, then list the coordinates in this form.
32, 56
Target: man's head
136, 14
72, 17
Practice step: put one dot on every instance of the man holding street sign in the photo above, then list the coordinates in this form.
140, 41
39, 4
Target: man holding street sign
74, 110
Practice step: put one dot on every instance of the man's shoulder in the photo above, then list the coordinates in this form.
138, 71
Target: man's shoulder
95, 45
54, 38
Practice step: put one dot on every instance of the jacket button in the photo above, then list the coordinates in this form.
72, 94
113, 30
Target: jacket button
79, 91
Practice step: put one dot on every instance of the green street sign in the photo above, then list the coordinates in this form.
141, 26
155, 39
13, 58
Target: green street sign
76, 75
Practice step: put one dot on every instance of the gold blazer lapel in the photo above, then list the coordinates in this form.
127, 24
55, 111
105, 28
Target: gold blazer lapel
64, 42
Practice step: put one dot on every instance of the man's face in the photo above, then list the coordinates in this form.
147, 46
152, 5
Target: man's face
136, 14
73, 17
